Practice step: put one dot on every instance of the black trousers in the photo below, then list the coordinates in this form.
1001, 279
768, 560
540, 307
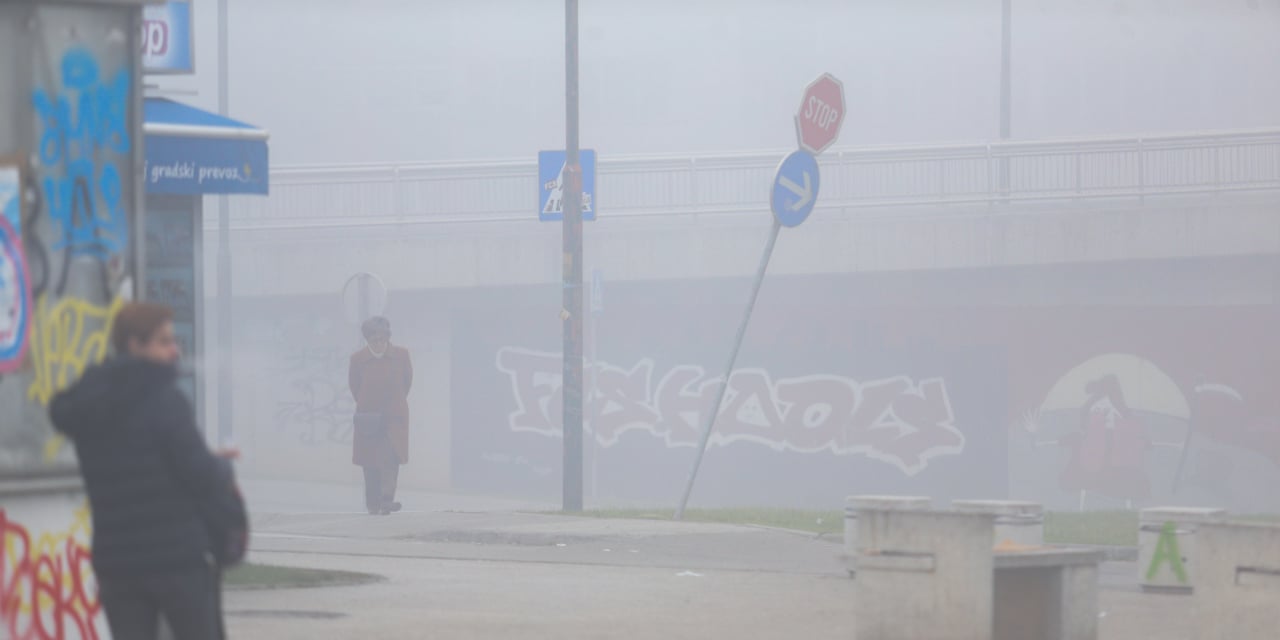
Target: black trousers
189, 601
380, 484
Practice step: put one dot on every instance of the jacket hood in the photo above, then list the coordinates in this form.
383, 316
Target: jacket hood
106, 393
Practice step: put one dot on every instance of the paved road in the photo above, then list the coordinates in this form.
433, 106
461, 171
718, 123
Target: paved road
472, 568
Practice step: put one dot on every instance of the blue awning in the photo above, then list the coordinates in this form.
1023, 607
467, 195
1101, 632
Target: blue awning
193, 152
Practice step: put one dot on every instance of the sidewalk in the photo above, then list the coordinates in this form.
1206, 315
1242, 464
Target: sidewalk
476, 567
284, 496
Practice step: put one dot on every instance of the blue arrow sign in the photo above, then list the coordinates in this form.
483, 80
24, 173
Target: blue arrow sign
795, 189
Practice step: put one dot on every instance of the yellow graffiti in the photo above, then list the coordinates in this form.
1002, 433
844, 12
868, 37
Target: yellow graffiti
52, 446
65, 340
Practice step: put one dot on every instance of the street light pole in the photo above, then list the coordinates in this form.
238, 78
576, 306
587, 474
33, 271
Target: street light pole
224, 254
1006, 69
571, 314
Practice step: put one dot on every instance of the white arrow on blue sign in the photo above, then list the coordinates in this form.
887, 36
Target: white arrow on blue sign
795, 188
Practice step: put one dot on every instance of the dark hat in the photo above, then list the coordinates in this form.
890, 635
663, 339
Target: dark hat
376, 325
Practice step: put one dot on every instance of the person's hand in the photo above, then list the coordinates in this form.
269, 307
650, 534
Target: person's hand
228, 453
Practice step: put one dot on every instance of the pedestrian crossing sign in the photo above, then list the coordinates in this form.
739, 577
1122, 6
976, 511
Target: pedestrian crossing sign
551, 166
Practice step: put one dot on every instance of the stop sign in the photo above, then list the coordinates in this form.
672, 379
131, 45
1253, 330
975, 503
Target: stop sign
821, 114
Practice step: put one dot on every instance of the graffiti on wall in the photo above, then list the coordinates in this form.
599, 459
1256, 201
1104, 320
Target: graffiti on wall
15, 298
1114, 414
47, 589
314, 402
896, 420
83, 146
84, 131
66, 339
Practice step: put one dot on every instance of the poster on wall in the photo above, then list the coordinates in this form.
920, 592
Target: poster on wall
804, 423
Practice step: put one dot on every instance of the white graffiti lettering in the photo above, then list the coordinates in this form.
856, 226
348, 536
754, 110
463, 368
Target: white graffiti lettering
893, 420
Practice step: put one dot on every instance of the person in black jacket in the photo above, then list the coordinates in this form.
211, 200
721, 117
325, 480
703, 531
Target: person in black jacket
147, 472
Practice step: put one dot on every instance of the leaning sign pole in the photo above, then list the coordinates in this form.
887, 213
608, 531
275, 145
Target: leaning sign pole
792, 196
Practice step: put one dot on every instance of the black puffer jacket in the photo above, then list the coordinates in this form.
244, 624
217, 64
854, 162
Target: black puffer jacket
146, 467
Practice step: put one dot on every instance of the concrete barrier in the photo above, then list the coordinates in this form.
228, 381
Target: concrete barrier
853, 504
1018, 523
1167, 548
924, 574
933, 574
1237, 593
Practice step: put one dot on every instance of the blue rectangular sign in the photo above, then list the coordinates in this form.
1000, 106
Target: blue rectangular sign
196, 166
551, 185
167, 38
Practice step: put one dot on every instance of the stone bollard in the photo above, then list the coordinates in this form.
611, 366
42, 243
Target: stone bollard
853, 504
1167, 546
1237, 581
1019, 523
924, 574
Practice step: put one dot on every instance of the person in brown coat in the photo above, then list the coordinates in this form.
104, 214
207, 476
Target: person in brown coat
380, 376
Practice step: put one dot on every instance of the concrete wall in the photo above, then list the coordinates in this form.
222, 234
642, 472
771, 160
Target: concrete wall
1008, 353
1238, 581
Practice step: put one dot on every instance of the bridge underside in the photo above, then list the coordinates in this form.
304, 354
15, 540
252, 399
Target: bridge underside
1115, 382
306, 260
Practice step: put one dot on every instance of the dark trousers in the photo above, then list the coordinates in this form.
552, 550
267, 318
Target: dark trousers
189, 601
380, 484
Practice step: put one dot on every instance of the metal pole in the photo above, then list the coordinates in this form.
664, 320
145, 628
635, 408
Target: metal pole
362, 304
595, 391
225, 406
1006, 91
572, 276
709, 424
1006, 69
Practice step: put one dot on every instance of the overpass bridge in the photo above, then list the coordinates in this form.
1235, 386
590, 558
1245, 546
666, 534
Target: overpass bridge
943, 321
1194, 195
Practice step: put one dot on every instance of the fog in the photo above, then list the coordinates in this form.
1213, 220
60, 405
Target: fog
1032, 262
911, 338
445, 81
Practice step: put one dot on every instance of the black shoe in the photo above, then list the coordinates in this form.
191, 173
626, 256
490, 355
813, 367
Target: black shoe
385, 512
392, 507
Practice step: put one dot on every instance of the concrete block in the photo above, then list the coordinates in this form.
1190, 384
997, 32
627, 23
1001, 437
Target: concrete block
1020, 523
924, 574
853, 504
1237, 594
1167, 553
1046, 594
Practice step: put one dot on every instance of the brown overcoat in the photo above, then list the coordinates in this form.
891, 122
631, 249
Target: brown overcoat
381, 385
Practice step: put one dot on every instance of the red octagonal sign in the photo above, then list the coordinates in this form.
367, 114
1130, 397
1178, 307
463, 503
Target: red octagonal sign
821, 114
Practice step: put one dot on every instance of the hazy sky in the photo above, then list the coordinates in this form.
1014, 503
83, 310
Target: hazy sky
418, 80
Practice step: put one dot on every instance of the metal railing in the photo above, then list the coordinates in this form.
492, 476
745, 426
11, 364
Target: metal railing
1096, 168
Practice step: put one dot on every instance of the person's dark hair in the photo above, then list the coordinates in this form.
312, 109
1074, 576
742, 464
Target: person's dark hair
138, 320
374, 326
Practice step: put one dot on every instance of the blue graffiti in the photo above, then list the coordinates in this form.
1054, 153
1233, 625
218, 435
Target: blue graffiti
85, 131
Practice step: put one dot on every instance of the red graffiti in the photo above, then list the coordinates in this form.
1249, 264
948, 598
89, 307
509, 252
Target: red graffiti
895, 420
46, 585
